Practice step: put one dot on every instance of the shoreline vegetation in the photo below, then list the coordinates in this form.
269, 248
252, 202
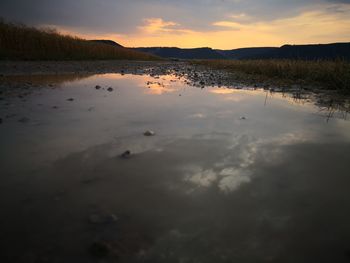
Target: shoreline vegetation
328, 75
20, 42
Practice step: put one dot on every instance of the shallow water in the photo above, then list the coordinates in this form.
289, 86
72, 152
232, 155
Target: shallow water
231, 175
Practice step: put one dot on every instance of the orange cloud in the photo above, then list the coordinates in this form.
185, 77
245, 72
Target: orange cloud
239, 30
153, 25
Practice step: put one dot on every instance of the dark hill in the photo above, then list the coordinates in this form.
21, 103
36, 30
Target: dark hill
309, 52
108, 42
246, 53
304, 52
189, 53
19, 42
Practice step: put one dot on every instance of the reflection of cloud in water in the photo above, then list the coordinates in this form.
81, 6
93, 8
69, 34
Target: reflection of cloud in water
222, 91
201, 178
232, 179
227, 180
114, 76
157, 88
240, 157
197, 116
224, 114
234, 98
229, 173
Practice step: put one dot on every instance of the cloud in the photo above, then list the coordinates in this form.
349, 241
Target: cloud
215, 23
159, 26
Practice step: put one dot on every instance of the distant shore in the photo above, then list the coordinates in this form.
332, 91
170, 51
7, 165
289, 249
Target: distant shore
9, 68
282, 75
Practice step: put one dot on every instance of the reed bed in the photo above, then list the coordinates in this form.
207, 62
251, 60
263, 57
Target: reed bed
333, 75
20, 42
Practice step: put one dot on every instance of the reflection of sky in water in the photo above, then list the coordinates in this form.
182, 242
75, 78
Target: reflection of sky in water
178, 111
242, 188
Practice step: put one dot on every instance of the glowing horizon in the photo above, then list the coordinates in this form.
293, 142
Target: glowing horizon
220, 24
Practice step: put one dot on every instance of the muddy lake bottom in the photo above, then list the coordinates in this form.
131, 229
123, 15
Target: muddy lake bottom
229, 175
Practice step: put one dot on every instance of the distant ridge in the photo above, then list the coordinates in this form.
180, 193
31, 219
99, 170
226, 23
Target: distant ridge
108, 42
245, 53
304, 52
310, 52
181, 53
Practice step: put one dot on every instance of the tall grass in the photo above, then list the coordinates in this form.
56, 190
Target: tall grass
19, 42
328, 74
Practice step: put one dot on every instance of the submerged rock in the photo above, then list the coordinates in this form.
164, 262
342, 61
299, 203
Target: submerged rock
98, 87
23, 120
149, 133
100, 249
110, 89
97, 219
242, 118
126, 154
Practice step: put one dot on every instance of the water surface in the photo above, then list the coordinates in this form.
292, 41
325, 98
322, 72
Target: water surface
232, 175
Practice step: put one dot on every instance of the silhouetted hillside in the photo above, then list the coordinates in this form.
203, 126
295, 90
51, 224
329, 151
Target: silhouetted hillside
246, 53
303, 52
20, 42
107, 42
189, 53
309, 52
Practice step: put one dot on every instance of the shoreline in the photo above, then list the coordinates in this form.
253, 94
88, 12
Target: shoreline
198, 75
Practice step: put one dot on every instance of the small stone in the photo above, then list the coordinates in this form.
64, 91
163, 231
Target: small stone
98, 87
126, 154
102, 219
70, 99
149, 133
110, 89
100, 249
23, 120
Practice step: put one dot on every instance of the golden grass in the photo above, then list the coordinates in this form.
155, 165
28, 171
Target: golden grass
328, 74
19, 42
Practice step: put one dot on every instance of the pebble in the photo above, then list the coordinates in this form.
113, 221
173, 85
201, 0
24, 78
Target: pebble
126, 154
98, 87
110, 89
102, 219
100, 249
149, 133
23, 120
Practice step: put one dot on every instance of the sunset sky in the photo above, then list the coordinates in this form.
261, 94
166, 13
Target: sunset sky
224, 24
